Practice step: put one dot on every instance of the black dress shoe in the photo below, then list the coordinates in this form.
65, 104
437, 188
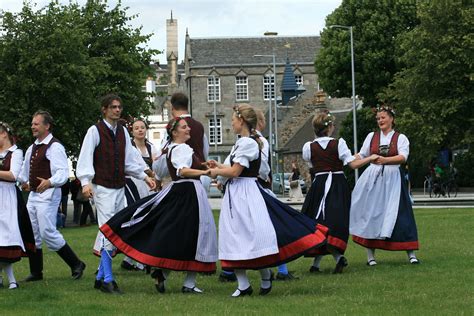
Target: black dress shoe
97, 284
341, 263
78, 271
33, 277
227, 277
111, 288
269, 289
314, 269
285, 277
160, 278
191, 290
239, 293
127, 266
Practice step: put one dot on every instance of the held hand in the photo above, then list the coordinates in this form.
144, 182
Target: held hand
373, 157
380, 160
87, 191
212, 164
220, 186
44, 185
159, 185
25, 187
150, 182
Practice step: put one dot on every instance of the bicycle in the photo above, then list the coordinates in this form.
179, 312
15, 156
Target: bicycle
451, 187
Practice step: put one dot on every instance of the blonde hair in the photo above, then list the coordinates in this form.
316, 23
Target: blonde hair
248, 114
321, 123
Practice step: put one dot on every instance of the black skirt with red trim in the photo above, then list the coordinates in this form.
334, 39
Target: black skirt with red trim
295, 233
12, 254
336, 214
167, 237
404, 234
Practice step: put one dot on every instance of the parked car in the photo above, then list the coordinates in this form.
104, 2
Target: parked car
277, 187
214, 192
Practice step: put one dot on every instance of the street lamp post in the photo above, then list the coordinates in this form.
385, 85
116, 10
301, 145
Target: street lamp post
354, 120
270, 116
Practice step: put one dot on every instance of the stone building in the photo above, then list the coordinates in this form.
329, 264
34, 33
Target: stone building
223, 72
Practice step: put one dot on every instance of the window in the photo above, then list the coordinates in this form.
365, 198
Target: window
213, 130
299, 80
268, 87
241, 88
213, 89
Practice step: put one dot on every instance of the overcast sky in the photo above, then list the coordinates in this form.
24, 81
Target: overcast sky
218, 18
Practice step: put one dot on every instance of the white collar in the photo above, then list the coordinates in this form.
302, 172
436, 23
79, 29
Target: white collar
110, 125
45, 141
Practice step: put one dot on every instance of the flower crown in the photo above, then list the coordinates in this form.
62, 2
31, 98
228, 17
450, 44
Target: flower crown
6, 127
170, 127
386, 108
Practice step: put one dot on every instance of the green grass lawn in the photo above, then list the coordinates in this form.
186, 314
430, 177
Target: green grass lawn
442, 284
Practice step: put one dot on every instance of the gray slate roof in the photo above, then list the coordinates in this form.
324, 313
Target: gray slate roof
240, 50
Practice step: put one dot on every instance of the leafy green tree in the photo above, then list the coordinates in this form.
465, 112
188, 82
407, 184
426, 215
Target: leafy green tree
62, 58
376, 24
433, 93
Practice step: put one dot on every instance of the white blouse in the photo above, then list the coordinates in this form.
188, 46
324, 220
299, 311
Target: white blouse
181, 157
345, 154
244, 151
16, 160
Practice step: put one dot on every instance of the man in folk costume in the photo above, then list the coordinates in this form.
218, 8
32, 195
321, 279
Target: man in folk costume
106, 157
45, 169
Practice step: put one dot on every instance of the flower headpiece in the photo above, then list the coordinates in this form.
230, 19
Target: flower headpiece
386, 108
171, 126
237, 112
329, 119
6, 127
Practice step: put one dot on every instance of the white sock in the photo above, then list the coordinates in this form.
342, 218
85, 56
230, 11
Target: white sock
128, 260
242, 279
190, 280
265, 274
317, 261
9, 272
411, 254
370, 254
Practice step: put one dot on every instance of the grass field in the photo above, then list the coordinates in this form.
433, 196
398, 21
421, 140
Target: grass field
442, 284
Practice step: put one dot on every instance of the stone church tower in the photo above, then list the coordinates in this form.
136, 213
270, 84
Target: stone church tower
172, 53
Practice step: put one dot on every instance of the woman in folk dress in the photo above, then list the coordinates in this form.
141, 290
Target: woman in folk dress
16, 235
173, 229
381, 211
256, 230
329, 198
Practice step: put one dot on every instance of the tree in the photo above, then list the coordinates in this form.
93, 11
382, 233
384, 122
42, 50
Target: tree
433, 93
62, 58
376, 24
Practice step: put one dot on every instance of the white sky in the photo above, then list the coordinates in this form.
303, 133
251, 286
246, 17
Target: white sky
217, 18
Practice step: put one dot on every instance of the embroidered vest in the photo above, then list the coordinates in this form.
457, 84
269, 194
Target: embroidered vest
324, 160
109, 157
39, 165
5, 163
389, 151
